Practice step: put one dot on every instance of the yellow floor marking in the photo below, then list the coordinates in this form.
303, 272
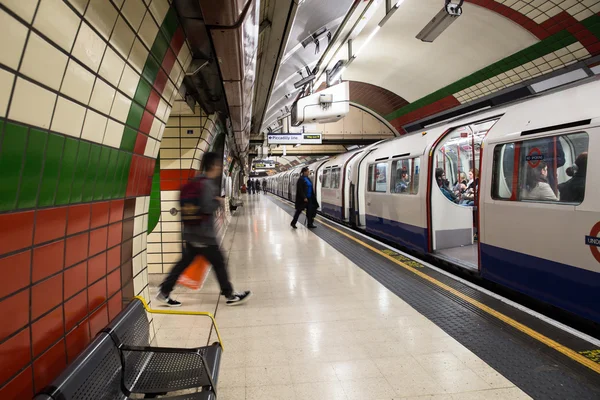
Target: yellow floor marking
515, 324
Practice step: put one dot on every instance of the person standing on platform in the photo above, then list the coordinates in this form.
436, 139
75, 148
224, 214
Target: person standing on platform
305, 198
249, 186
264, 185
199, 199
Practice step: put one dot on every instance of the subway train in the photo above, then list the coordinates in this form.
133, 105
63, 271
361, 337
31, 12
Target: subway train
503, 192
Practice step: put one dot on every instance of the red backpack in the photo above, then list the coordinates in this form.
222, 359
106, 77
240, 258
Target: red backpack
189, 201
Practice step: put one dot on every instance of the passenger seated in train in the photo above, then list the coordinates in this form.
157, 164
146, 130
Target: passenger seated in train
440, 177
537, 186
573, 190
461, 184
468, 196
402, 183
553, 152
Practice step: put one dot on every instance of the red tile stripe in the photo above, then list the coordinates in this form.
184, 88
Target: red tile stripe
441, 105
173, 179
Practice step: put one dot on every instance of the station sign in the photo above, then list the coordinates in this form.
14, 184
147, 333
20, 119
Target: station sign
295, 138
263, 165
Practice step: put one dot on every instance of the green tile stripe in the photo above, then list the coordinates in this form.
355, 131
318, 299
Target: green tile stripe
155, 206
593, 24
149, 74
43, 169
550, 44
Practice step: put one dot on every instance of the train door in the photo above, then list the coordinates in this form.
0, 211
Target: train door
453, 193
361, 201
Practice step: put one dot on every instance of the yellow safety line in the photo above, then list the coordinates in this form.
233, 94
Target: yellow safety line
174, 312
515, 324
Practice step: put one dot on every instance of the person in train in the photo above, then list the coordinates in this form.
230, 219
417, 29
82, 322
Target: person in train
573, 190
468, 196
461, 184
440, 177
250, 186
537, 186
554, 156
402, 183
305, 198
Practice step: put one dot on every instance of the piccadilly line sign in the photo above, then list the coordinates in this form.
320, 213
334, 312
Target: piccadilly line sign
295, 138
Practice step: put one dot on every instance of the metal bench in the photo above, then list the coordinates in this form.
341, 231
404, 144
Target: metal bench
120, 363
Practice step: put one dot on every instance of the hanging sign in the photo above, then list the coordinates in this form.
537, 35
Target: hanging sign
295, 138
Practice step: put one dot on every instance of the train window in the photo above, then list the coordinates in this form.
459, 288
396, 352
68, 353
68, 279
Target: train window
335, 178
405, 176
550, 169
326, 178
377, 178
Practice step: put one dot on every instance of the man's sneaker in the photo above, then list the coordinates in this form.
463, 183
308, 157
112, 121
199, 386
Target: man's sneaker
239, 298
167, 300
293, 225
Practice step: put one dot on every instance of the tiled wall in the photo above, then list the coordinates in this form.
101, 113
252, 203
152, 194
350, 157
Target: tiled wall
186, 139
86, 87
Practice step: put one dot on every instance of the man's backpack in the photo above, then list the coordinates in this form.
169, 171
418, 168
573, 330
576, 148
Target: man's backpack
189, 201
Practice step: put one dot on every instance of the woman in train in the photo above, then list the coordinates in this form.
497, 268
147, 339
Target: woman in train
440, 177
537, 186
573, 190
461, 184
468, 197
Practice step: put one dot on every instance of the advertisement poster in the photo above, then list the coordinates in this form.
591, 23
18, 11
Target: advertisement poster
226, 166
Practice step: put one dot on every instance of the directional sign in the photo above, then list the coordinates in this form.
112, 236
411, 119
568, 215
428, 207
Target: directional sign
295, 138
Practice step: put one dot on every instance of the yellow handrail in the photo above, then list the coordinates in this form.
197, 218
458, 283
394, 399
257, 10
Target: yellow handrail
174, 312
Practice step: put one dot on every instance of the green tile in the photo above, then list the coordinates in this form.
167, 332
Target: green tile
110, 174
116, 188
67, 171
169, 25
142, 92
54, 151
83, 159
32, 170
14, 144
150, 70
135, 117
90, 176
101, 175
160, 46
125, 176
128, 139
154, 207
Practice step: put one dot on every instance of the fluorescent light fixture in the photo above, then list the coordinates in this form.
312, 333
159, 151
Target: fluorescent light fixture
302, 82
398, 3
559, 80
440, 22
367, 40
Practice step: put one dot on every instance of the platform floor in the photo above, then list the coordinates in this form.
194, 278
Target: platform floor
319, 327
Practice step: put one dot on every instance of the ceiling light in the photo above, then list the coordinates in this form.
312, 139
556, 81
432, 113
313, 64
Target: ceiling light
440, 22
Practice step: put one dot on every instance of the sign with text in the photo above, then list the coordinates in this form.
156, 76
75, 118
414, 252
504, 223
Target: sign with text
295, 138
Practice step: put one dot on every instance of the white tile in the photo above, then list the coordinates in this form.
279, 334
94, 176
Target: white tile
6, 83
78, 82
58, 22
102, 15
112, 67
43, 62
12, 40
102, 96
23, 8
138, 55
148, 30
120, 107
149, 150
122, 37
28, 96
175, 71
134, 12
94, 126
113, 134
160, 110
154, 130
89, 47
68, 117
159, 9
129, 81
80, 5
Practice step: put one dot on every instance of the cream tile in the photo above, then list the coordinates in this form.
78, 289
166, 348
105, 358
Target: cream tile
77, 83
134, 12
493, 378
460, 381
232, 393
12, 39
28, 96
113, 134
148, 30
129, 81
102, 96
358, 369
94, 127
279, 392
414, 384
68, 117
495, 394
89, 47
23, 8
80, 5
102, 16
122, 37
138, 55
312, 373
112, 67
232, 377
399, 365
120, 107
43, 62
159, 9
368, 389
268, 376
436, 362
58, 22
7, 80
320, 390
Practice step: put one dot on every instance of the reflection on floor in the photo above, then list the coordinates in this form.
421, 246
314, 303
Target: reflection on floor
466, 255
319, 327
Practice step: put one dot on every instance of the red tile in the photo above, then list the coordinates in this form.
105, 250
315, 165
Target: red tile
170, 185
98, 240
48, 260
146, 124
49, 365
114, 234
75, 310
153, 101
100, 214
16, 231
14, 313
115, 304
16, 271
171, 174
77, 340
116, 210
20, 387
168, 61
113, 258
96, 294
140, 143
75, 279
128, 226
96, 268
14, 354
177, 41
129, 209
98, 320
78, 218
77, 249
161, 79
47, 330
46, 295
50, 224
114, 282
